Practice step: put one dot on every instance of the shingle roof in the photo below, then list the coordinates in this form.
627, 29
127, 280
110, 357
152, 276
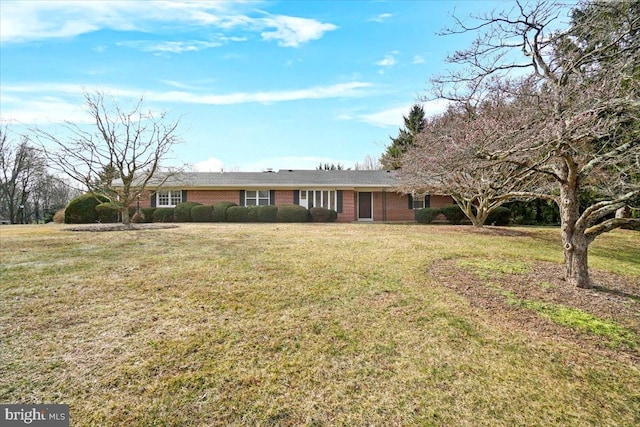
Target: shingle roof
286, 178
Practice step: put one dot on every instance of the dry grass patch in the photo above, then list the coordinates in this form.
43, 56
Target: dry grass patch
302, 324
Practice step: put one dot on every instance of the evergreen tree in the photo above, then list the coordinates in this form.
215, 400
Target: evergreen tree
413, 125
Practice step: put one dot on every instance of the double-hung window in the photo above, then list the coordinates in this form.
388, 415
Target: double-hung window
257, 198
420, 201
168, 199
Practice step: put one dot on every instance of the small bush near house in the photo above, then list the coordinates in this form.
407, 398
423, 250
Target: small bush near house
202, 213
182, 211
107, 214
267, 213
82, 209
453, 213
426, 215
163, 215
138, 218
319, 214
499, 216
237, 214
292, 213
58, 217
220, 211
148, 214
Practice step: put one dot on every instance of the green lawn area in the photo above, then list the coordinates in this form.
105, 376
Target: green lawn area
313, 324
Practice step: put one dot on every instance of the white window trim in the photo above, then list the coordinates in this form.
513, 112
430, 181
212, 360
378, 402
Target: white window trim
171, 195
257, 198
310, 195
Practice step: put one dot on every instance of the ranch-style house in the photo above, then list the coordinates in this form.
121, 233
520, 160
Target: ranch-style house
356, 195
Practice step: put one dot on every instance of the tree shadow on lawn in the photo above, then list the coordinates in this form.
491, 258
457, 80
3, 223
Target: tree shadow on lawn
512, 299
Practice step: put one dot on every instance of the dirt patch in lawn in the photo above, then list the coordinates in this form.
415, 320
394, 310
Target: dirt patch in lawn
118, 227
538, 302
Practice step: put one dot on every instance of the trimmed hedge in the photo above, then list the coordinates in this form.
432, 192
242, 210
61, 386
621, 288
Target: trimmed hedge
453, 213
267, 213
237, 214
106, 213
82, 209
319, 214
182, 211
220, 211
292, 213
163, 215
499, 216
426, 215
202, 213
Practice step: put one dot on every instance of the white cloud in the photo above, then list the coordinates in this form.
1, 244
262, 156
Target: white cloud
30, 102
381, 18
393, 117
170, 46
418, 59
387, 61
47, 109
292, 31
22, 21
212, 164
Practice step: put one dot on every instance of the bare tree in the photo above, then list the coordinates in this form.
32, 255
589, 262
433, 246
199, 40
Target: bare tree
444, 160
369, 163
582, 108
120, 156
21, 168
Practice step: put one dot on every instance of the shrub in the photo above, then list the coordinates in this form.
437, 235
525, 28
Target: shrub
138, 218
220, 211
267, 213
202, 213
163, 215
426, 215
58, 217
106, 213
82, 209
182, 211
319, 214
292, 213
237, 214
453, 213
499, 216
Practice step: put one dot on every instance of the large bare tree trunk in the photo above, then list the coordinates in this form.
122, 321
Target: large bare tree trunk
574, 241
125, 216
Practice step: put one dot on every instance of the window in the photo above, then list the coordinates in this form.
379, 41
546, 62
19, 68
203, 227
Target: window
257, 198
318, 198
420, 201
168, 199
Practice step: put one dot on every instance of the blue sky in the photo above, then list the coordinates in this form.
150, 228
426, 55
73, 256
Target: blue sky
257, 84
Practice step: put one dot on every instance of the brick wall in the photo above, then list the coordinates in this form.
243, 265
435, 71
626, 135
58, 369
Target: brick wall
349, 204
395, 205
397, 208
210, 197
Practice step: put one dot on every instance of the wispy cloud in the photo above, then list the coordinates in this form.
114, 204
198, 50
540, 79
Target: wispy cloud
59, 102
381, 17
418, 59
39, 20
393, 117
169, 46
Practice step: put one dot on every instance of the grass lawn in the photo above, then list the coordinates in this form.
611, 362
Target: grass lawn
319, 324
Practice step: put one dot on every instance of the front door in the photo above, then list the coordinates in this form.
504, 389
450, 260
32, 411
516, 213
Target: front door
365, 206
